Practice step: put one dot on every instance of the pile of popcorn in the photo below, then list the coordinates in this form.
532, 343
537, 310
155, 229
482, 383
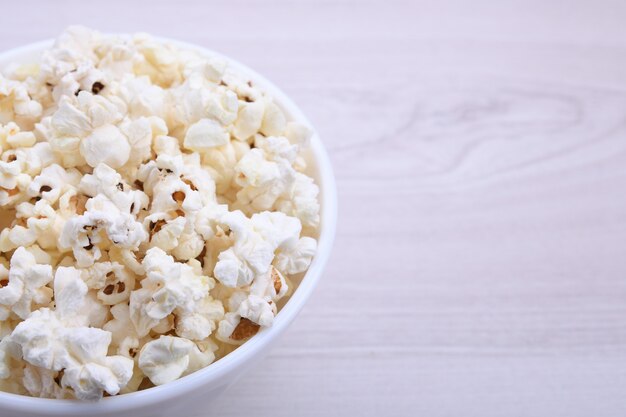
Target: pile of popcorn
156, 208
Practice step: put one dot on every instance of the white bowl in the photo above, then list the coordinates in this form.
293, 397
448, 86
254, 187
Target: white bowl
196, 391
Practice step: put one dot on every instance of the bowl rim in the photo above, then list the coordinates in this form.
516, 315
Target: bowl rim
248, 350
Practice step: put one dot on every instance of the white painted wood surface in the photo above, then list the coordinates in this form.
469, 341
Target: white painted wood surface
480, 152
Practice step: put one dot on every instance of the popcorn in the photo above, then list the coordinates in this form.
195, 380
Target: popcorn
156, 60
296, 258
165, 234
269, 181
20, 160
257, 310
40, 382
274, 121
249, 120
250, 254
53, 181
167, 358
195, 100
205, 134
56, 340
251, 311
140, 134
199, 323
211, 69
106, 181
112, 281
82, 233
153, 207
235, 329
245, 90
26, 287
262, 181
256, 241
106, 144
124, 335
9, 358
72, 47
297, 133
85, 78
142, 97
301, 201
16, 104
172, 287
222, 162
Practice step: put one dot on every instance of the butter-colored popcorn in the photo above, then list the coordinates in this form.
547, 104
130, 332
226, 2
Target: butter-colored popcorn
128, 258
21, 140
152, 202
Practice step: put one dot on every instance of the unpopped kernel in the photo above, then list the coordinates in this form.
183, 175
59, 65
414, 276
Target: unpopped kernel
159, 210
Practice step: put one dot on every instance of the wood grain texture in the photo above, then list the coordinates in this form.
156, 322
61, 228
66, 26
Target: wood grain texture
480, 153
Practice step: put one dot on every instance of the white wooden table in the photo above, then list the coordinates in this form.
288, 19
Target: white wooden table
480, 152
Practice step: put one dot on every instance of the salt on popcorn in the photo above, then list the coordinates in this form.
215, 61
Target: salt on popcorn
159, 210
